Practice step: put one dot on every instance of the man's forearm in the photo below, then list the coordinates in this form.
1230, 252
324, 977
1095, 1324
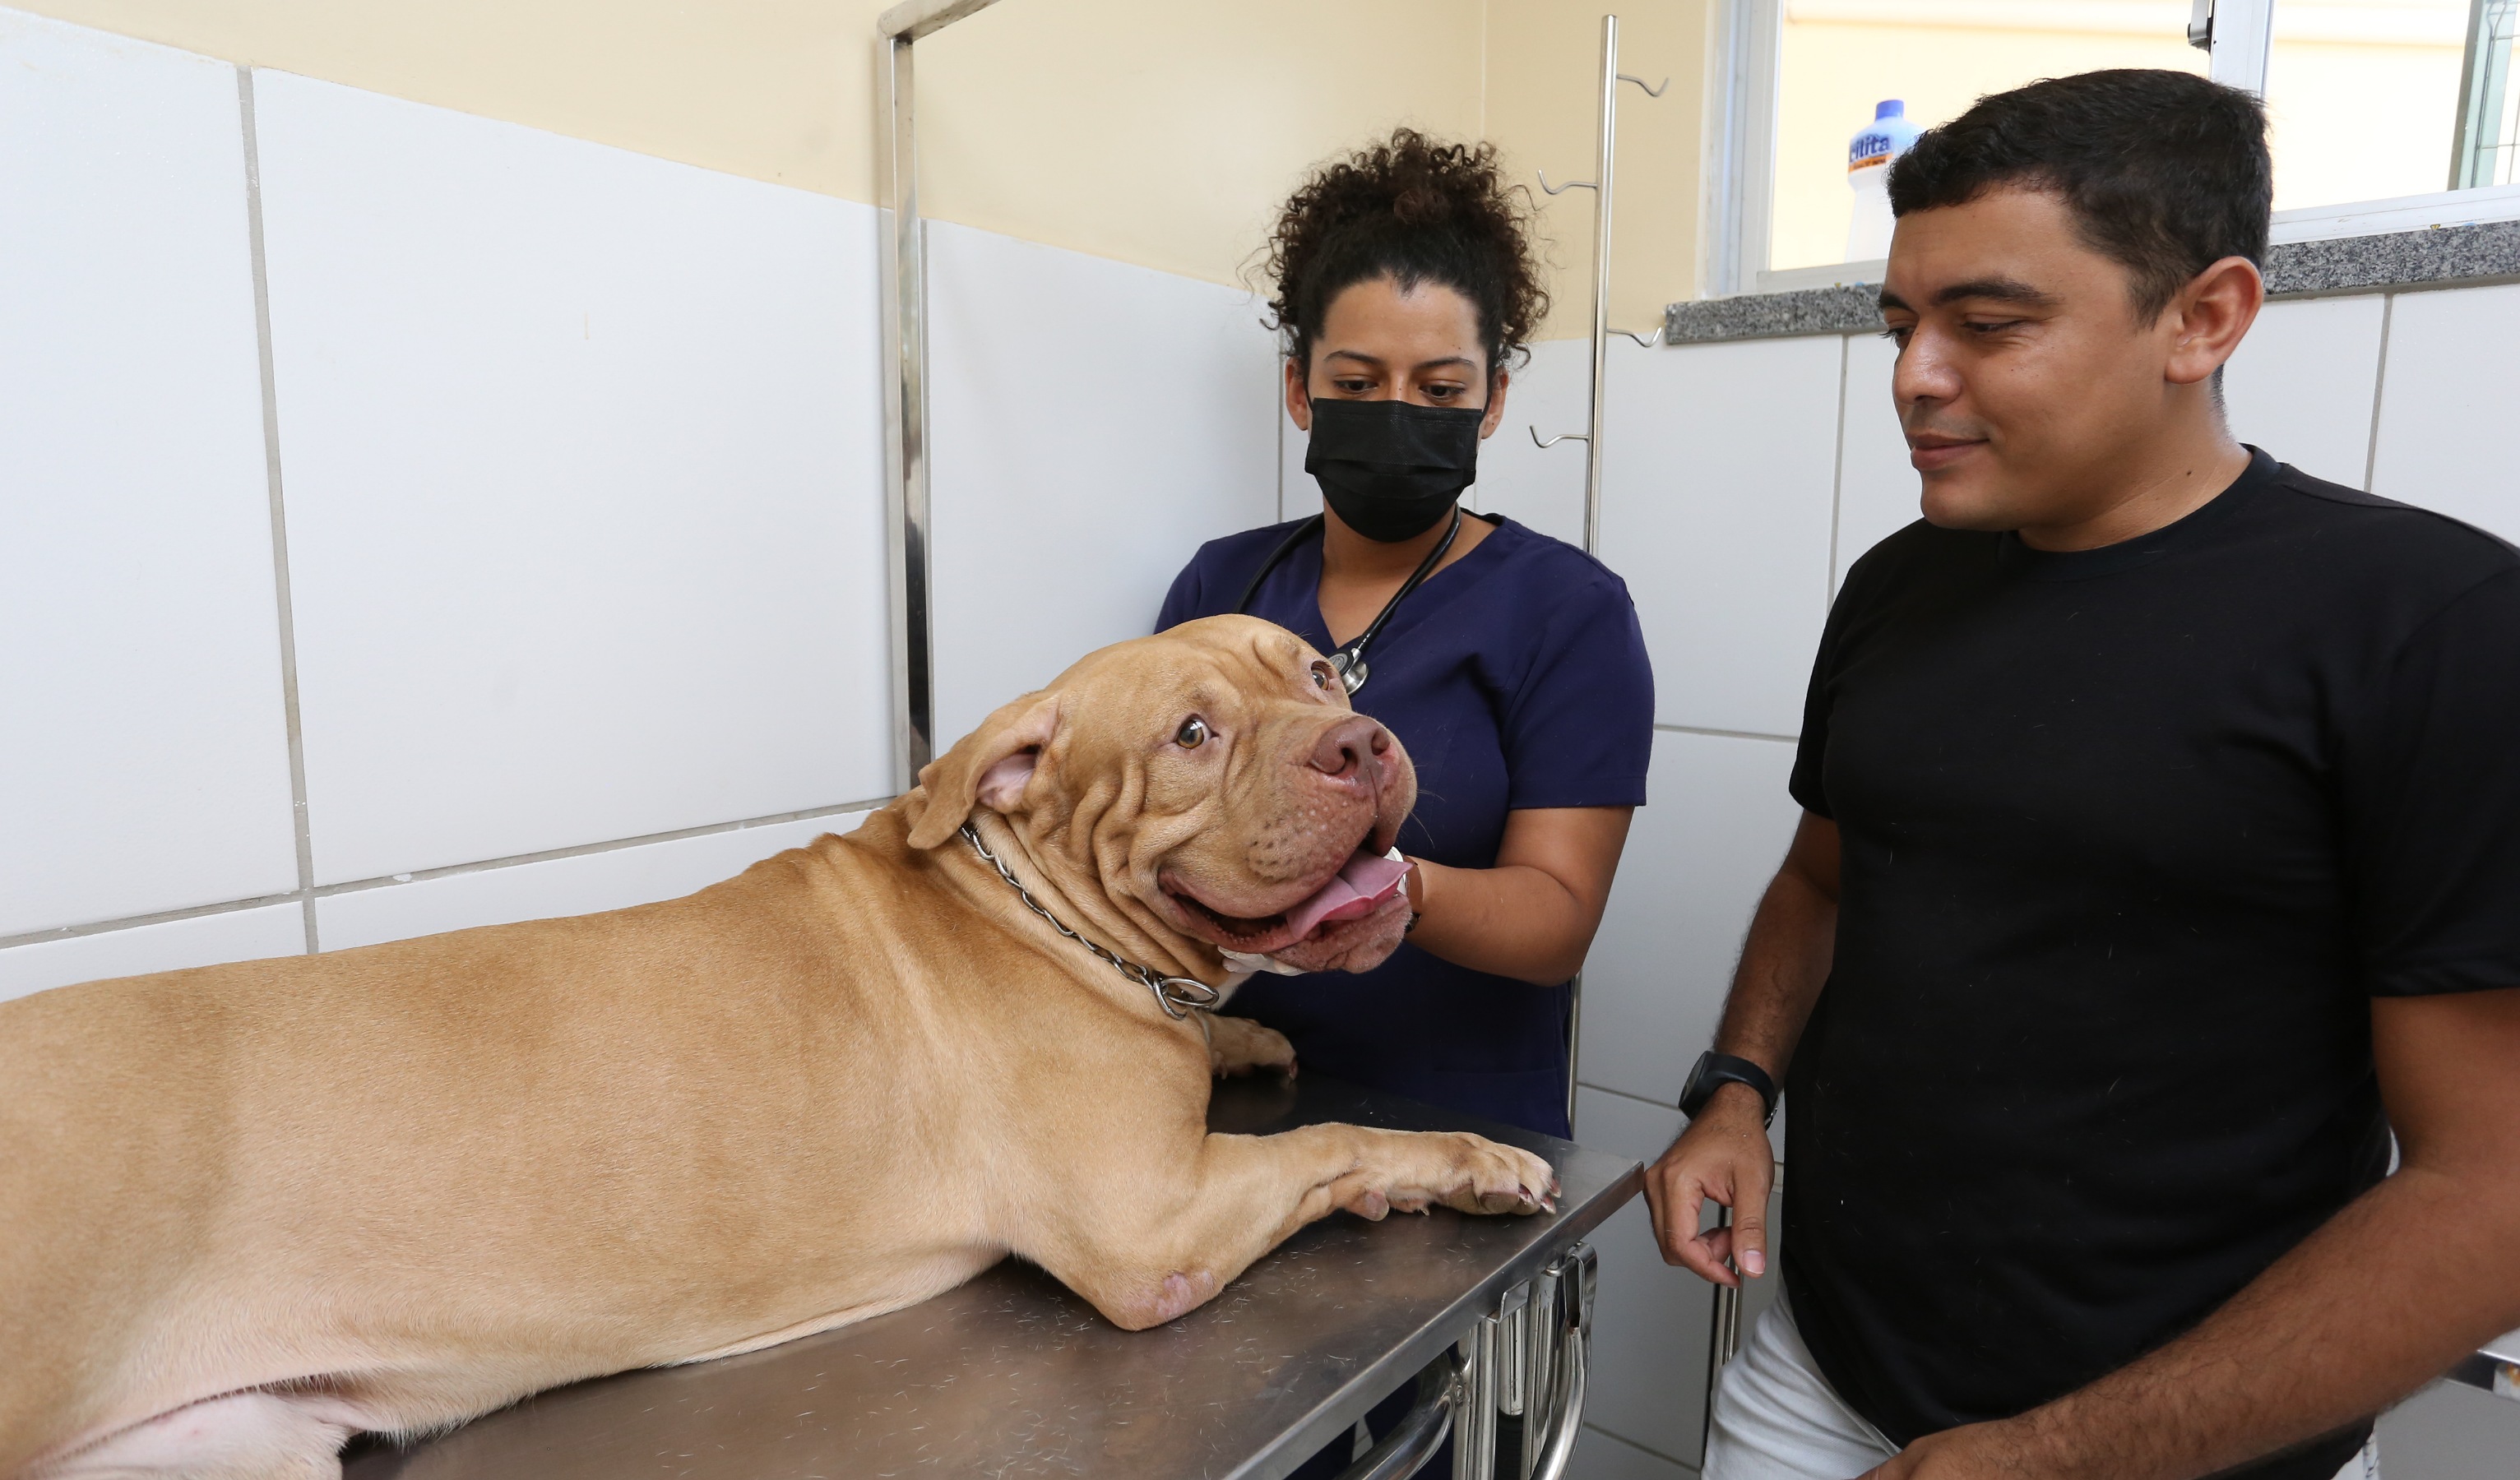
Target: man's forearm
2386, 1296
1725, 1154
1783, 965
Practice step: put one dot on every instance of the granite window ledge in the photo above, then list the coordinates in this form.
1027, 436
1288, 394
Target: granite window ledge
2452, 257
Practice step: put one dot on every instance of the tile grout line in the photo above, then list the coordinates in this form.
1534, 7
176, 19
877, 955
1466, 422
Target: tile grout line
1837, 474
1626, 1095
2379, 380
609, 845
160, 918
1277, 443
282, 602
1620, 1438
1756, 735
308, 894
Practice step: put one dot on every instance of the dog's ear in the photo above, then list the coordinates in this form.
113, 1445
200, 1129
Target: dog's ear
990, 766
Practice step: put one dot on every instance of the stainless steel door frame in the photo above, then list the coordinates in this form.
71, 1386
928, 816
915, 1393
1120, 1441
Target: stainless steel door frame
903, 256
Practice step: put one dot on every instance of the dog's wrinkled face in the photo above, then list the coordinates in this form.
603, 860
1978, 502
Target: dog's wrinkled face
1216, 784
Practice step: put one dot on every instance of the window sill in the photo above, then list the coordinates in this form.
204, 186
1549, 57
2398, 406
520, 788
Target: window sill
2451, 256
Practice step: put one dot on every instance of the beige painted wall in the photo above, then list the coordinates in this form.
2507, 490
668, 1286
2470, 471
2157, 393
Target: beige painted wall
1168, 132
1162, 132
774, 89
1542, 109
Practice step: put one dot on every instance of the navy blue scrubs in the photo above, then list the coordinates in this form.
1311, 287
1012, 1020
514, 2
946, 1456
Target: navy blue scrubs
1516, 677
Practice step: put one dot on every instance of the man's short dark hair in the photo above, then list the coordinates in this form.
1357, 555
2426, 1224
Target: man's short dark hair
2163, 171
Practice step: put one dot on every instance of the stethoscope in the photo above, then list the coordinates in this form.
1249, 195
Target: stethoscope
1349, 659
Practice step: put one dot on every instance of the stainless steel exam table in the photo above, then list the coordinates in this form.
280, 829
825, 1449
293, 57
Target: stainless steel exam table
2495, 1366
1013, 1375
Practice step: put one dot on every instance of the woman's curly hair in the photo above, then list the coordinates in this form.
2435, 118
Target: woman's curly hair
1415, 211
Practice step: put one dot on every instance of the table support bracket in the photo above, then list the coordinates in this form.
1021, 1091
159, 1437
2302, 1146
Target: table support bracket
1530, 1359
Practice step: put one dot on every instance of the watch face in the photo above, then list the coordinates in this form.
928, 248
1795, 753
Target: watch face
1692, 1093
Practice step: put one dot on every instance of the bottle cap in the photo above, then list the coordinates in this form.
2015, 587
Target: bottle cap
1890, 107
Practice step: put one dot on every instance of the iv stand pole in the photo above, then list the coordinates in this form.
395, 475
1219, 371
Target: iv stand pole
1591, 436
1604, 158
1601, 192
907, 525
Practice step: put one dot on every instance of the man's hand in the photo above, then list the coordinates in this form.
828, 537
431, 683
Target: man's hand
1979, 1451
2329, 1334
1723, 1154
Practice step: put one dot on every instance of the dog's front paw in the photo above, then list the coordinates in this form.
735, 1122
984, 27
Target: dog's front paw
1239, 1045
1489, 1178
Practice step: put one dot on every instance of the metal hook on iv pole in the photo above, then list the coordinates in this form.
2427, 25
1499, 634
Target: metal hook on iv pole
1545, 187
1563, 436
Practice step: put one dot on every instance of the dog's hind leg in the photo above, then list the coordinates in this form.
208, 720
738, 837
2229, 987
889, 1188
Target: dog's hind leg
243, 1436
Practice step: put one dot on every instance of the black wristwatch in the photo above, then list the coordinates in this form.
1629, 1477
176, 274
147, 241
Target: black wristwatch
1716, 1071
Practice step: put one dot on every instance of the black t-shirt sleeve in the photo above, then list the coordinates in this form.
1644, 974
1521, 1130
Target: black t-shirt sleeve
1580, 731
2429, 787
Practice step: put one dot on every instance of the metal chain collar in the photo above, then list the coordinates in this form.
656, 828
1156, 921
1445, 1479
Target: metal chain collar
1178, 996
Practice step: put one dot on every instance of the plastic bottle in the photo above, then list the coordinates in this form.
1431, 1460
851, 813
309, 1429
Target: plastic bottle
1868, 170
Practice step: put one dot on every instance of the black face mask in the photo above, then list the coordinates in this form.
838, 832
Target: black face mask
1390, 470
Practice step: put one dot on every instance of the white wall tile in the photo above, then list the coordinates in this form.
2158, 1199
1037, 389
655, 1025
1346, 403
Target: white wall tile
583, 462
1719, 468
1543, 488
614, 879
2299, 386
204, 940
141, 733
2450, 1432
1601, 1455
2444, 434
1698, 860
1092, 423
1877, 490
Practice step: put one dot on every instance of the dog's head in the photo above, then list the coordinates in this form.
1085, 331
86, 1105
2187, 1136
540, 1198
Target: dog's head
1211, 783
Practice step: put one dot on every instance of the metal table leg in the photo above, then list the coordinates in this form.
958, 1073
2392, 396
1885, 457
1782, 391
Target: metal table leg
1529, 1359
1723, 1344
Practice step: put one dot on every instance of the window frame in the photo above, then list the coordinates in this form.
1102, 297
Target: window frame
1741, 155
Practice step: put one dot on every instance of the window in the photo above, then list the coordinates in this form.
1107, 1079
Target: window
2488, 142
2384, 115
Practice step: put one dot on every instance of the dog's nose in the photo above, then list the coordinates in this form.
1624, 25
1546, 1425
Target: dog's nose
1351, 749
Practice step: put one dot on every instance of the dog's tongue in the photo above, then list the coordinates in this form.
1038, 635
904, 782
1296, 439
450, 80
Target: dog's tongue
1363, 884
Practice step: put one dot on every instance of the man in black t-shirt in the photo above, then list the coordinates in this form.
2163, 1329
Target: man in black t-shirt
2161, 854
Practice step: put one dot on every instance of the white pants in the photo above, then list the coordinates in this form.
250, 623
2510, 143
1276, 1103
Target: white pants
1777, 1419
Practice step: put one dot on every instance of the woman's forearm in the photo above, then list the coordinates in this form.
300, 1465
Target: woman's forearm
1531, 916
1508, 921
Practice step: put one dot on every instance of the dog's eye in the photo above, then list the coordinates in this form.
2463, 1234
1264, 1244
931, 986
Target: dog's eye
1324, 676
1192, 734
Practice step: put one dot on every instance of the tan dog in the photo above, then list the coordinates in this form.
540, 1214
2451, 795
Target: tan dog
247, 1210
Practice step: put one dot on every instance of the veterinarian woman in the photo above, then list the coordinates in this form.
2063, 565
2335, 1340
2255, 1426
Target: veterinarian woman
1508, 663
